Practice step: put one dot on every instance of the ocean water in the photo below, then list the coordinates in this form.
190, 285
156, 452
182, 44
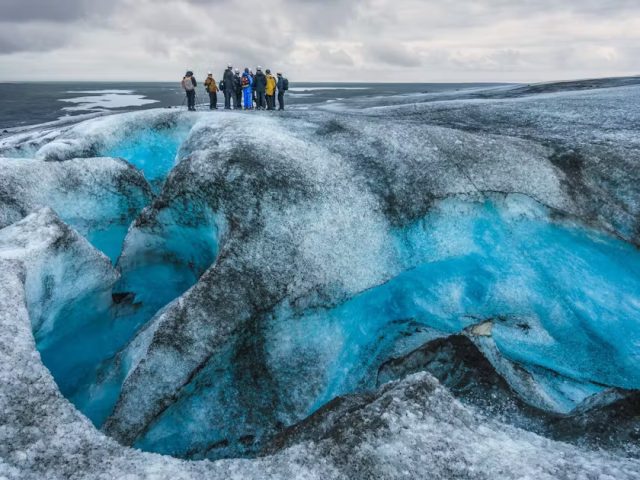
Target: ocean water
24, 104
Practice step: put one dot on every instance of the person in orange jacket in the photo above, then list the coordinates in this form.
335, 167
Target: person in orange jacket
211, 87
271, 91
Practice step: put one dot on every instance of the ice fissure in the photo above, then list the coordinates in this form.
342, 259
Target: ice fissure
317, 298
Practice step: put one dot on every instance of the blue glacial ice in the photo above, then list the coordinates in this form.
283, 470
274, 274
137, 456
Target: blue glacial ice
159, 262
68, 290
153, 150
561, 297
564, 301
100, 198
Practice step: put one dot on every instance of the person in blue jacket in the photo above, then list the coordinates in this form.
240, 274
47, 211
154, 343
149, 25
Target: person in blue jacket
247, 89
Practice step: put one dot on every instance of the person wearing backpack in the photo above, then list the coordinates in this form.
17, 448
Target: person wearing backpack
211, 88
189, 85
247, 89
229, 88
283, 86
271, 91
237, 86
260, 86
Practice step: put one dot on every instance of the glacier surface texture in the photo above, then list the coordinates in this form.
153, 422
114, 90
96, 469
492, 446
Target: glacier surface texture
439, 286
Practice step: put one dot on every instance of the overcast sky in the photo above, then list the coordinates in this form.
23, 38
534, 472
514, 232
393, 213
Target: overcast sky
322, 40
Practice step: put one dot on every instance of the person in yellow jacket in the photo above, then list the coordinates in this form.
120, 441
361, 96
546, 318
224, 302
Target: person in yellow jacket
271, 91
211, 87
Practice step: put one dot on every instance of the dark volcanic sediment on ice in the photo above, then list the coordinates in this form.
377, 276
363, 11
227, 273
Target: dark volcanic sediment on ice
294, 227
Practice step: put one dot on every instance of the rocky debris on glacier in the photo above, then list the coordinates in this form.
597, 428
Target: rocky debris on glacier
281, 196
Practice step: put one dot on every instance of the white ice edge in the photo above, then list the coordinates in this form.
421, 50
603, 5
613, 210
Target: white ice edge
107, 100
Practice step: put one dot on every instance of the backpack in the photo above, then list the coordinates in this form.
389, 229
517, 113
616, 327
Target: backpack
187, 84
285, 84
245, 81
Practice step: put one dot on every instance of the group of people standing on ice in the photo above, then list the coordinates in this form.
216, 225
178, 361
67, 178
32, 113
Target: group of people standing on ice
250, 90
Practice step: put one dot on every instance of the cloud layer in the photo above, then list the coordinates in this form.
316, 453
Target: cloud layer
323, 40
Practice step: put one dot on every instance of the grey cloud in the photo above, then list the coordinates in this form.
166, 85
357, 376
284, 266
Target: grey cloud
494, 60
45, 25
394, 55
31, 38
50, 10
444, 16
324, 18
328, 39
335, 57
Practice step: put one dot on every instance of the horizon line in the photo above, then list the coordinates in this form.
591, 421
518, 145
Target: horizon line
452, 82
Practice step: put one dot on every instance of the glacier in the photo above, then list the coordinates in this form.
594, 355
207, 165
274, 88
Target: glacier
440, 285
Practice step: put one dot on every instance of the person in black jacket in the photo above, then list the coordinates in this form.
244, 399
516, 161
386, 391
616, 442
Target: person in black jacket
253, 87
282, 85
260, 86
229, 88
237, 86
